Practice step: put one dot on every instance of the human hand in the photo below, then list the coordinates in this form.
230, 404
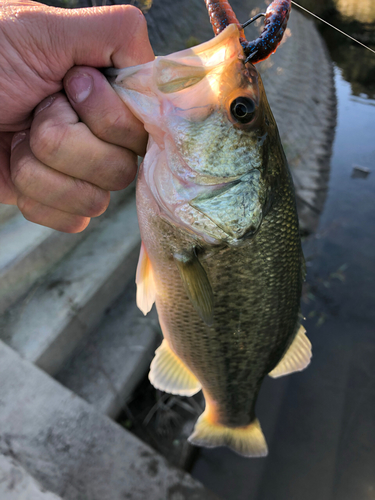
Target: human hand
60, 155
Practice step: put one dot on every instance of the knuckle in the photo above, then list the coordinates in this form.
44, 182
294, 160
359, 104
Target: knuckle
111, 122
134, 24
124, 171
99, 204
117, 126
47, 139
134, 17
116, 171
26, 206
96, 200
21, 175
126, 177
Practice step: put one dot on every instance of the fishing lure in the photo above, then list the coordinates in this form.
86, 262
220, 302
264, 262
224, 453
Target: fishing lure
277, 16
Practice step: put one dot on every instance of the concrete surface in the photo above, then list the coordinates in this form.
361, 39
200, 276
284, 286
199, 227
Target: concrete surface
72, 450
7, 212
47, 326
116, 356
20, 242
17, 484
29, 251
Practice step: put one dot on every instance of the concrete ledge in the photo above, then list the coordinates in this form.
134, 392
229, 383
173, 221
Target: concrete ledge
74, 451
7, 212
115, 358
22, 243
17, 484
29, 251
47, 326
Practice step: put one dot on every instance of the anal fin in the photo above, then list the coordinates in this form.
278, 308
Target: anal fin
247, 441
197, 285
296, 358
168, 373
144, 279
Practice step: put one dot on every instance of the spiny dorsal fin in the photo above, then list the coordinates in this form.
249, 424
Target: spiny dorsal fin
144, 279
296, 358
247, 441
197, 285
168, 373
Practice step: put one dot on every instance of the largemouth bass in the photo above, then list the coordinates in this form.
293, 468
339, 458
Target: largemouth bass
221, 254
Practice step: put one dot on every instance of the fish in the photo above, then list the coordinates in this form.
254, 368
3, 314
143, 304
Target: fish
221, 253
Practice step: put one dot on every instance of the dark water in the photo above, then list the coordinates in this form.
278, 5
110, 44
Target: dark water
357, 18
320, 424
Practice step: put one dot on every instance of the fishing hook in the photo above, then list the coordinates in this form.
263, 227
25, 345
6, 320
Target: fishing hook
262, 14
277, 15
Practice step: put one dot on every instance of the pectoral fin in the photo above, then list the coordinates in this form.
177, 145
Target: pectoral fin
168, 373
296, 358
144, 279
197, 285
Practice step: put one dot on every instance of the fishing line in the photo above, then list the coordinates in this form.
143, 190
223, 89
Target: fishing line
334, 27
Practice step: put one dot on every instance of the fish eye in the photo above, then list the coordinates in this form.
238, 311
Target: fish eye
243, 109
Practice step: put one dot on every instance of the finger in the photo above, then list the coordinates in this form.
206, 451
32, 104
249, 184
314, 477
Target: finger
102, 110
53, 189
58, 139
50, 217
97, 37
123, 37
7, 192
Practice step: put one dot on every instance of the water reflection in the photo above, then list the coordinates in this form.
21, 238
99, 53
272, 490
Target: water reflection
320, 424
358, 20
363, 11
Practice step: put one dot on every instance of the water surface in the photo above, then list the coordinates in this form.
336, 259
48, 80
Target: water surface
320, 424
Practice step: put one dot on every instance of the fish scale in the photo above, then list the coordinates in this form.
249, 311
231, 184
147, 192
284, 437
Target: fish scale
256, 286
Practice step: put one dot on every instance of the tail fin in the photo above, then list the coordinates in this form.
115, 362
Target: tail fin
247, 441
